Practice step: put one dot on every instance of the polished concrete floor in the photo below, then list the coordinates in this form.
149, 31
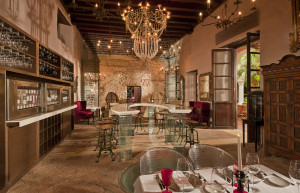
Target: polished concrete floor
71, 167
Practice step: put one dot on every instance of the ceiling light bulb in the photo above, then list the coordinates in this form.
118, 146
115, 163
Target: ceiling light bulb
96, 5
119, 4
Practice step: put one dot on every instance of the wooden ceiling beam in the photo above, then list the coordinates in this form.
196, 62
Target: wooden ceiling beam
189, 10
107, 30
193, 17
122, 27
93, 19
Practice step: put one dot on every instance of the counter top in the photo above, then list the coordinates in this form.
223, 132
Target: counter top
37, 117
124, 109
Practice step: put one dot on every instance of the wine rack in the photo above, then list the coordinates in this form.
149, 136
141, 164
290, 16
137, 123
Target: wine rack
50, 133
47, 69
67, 70
17, 50
49, 63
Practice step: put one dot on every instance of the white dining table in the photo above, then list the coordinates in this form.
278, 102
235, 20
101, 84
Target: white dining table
147, 183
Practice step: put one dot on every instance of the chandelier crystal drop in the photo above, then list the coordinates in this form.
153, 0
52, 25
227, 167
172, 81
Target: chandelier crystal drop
146, 26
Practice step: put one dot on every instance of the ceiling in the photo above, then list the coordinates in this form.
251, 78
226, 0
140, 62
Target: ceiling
184, 17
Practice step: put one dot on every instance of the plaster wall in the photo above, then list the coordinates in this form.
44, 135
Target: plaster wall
118, 72
275, 24
39, 19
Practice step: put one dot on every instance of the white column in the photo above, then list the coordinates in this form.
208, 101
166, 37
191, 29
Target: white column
241, 91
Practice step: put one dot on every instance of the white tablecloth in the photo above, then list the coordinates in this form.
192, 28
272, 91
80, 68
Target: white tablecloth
147, 183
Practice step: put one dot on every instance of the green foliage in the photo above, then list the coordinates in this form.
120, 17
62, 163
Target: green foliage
255, 63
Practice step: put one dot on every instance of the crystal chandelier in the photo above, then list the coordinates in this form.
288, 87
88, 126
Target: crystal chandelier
227, 18
146, 26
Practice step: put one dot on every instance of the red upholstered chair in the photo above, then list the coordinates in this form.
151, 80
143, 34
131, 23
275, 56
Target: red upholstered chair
201, 115
81, 112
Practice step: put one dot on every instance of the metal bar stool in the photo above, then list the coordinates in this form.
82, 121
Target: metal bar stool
190, 132
98, 123
105, 142
139, 119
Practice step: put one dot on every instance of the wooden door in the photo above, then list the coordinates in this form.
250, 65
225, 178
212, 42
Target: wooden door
223, 88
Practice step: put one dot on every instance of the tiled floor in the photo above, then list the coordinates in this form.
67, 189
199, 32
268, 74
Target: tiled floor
71, 166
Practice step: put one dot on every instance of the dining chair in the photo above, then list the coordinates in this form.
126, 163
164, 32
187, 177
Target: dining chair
158, 158
207, 156
128, 177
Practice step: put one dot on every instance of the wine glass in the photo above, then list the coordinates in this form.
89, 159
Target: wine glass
166, 175
183, 171
253, 166
294, 172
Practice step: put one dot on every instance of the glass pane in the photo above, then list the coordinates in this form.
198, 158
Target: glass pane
255, 61
255, 78
223, 95
222, 82
222, 56
223, 70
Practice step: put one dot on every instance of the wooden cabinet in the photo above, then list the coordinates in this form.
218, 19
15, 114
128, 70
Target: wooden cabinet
21, 150
282, 107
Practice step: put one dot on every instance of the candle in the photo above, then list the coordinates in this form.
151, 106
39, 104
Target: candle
253, 3
200, 14
239, 153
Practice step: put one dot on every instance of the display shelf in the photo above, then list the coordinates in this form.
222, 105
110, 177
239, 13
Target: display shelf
46, 55
17, 50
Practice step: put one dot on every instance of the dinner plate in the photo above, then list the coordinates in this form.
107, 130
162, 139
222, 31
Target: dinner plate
213, 188
276, 181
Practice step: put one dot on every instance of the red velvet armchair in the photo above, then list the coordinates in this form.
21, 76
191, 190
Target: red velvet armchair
201, 111
81, 112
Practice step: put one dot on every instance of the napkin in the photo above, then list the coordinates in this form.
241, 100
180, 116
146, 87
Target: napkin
182, 181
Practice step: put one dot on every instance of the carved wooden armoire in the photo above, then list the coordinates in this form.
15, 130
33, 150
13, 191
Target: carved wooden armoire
282, 107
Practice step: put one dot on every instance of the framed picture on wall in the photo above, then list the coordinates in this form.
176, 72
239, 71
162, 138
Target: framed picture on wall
205, 81
295, 35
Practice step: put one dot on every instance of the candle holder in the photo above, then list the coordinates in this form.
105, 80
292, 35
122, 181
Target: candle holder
240, 177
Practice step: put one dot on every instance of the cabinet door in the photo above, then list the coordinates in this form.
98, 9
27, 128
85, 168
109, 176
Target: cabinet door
21, 149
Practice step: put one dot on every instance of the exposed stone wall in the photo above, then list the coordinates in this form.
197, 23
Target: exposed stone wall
118, 72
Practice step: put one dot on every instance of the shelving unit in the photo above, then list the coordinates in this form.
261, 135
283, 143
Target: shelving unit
50, 133
19, 49
67, 69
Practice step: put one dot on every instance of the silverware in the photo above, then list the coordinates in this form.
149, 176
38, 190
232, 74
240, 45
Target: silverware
215, 181
199, 176
159, 182
222, 176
